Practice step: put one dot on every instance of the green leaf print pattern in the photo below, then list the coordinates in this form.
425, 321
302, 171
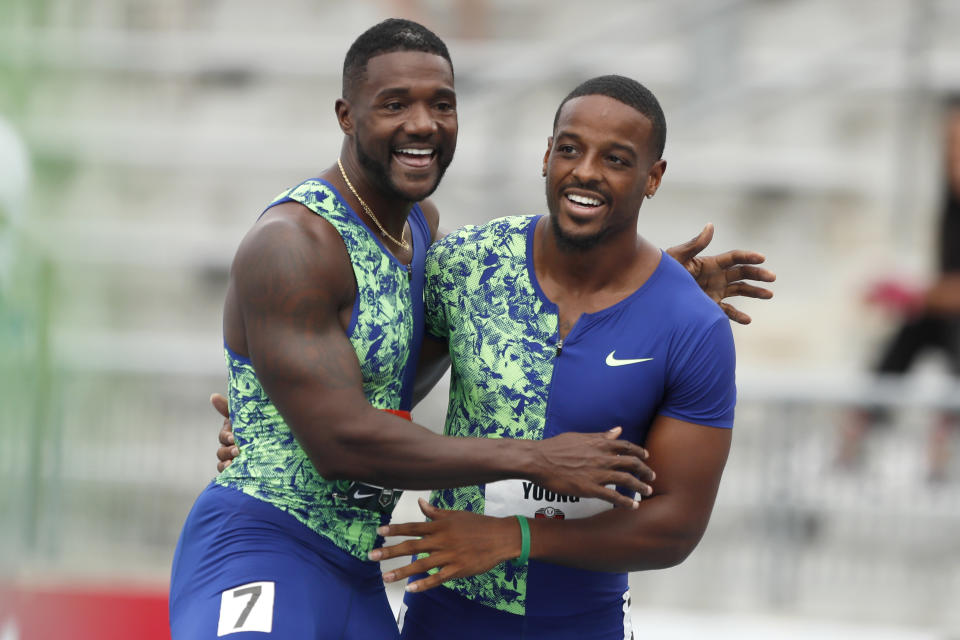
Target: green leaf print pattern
272, 466
502, 345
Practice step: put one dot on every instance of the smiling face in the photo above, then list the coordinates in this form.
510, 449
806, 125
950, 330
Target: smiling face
402, 117
599, 167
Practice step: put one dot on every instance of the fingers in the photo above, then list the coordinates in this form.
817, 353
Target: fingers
227, 453
616, 498
406, 529
635, 468
627, 448
447, 563
220, 404
418, 529
728, 259
428, 509
226, 435
228, 449
735, 314
405, 548
702, 240
432, 581
684, 252
750, 272
421, 565
629, 472
613, 434
627, 481
747, 291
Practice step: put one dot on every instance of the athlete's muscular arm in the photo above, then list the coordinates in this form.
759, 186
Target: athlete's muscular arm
289, 281
689, 459
722, 276
669, 524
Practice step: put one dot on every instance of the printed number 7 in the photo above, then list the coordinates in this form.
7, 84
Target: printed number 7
254, 593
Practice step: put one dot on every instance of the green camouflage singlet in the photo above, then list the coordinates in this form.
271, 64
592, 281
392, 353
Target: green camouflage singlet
272, 466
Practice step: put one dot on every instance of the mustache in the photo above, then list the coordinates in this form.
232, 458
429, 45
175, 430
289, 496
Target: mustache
586, 186
432, 139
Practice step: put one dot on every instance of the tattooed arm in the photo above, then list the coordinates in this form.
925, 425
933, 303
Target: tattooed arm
290, 284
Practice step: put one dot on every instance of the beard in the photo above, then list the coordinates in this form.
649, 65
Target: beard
379, 174
571, 243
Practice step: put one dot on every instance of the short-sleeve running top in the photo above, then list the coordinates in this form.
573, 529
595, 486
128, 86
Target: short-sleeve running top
666, 349
385, 330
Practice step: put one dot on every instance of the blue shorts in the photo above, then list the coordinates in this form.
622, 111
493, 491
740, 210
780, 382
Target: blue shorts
441, 614
244, 567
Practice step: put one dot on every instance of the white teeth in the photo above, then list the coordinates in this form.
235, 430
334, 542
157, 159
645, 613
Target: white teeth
416, 152
588, 202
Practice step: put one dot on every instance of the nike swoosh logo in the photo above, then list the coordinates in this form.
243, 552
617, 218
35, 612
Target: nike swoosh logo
615, 362
360, 496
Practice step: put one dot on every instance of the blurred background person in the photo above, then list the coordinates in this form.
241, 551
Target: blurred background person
930, 318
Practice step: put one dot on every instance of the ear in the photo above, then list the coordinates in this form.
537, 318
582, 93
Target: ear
344, 116
655, 176
546, 155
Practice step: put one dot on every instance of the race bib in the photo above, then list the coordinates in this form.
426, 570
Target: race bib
524, 498
248, 607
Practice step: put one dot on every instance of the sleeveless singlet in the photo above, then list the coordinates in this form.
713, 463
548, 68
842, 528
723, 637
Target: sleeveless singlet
385, 330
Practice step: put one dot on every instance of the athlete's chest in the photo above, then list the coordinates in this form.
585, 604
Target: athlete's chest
610, 370
385, 315
607, 369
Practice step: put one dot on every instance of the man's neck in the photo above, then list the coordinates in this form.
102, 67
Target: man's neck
621, 262
391, 211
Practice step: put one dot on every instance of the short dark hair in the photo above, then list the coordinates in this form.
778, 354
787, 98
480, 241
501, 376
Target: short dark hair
393, 34
629, 92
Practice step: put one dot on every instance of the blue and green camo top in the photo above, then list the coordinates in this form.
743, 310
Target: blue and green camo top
666, 349
385, 330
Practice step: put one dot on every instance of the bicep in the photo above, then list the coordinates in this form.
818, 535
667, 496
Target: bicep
301, 361
290, 306
689, 460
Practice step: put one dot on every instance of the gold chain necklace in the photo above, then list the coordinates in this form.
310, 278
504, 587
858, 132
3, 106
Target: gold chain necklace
402, 243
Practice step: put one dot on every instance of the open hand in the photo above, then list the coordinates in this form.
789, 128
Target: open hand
583, 464
722, 276
460, 544
228, 449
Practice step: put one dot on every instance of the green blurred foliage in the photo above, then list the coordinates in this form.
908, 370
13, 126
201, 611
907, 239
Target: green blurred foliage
26, 279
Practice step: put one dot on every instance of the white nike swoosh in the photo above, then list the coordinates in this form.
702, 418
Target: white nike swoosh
614, 362
360, 496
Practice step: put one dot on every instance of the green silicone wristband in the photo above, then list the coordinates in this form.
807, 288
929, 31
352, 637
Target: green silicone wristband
524, 542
